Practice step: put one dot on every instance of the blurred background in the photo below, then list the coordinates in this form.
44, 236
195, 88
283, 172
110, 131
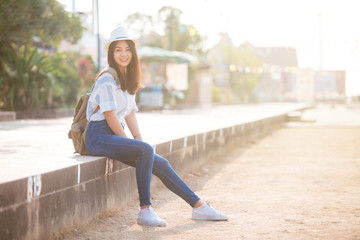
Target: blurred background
193, 53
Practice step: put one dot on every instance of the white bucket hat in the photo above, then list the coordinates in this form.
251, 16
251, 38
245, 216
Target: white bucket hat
119, 33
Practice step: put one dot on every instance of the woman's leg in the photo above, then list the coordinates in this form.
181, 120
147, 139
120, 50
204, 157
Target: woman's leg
201, 211
126, 150
163, 170
103, 142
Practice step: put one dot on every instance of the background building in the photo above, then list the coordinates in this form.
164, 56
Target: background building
279, 77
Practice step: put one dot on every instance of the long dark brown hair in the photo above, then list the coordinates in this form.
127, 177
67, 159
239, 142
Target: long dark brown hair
130, 82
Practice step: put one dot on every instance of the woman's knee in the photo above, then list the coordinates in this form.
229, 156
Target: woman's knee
146, 148
161, 163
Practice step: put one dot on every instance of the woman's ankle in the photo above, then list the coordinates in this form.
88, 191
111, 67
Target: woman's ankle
145, 206
198, 204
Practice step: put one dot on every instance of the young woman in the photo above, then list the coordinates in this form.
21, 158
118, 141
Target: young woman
106, 137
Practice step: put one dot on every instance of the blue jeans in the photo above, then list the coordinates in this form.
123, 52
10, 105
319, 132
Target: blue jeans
101, 141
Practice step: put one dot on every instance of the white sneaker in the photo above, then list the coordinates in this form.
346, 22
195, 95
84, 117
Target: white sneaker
207, 213
148, 217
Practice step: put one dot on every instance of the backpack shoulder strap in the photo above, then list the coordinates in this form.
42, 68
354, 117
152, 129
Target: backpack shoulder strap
110, 70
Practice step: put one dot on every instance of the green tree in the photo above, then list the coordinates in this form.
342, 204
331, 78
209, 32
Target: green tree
175, 35
170, 16
25, 82
68, 81
179, 36
243, 82
144, 27
45, 22
139, 23
25, 27
236, 68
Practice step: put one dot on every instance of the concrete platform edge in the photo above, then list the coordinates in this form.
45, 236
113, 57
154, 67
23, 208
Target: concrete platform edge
7, 116
36, 207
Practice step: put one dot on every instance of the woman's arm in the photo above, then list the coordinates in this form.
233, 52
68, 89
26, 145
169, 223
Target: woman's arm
114, 123
133, 125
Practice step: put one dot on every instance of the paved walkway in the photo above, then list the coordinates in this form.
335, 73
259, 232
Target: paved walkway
30, 147
301, 182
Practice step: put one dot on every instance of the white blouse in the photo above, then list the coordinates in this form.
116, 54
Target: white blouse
109, 96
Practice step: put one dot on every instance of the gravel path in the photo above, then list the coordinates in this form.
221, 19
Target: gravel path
297, 183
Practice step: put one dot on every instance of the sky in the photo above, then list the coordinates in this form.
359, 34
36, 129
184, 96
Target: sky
287, 23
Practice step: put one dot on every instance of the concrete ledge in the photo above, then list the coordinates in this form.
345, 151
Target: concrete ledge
37, 206
44, 113
7, 116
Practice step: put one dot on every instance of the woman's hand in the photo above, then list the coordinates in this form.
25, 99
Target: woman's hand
138, 137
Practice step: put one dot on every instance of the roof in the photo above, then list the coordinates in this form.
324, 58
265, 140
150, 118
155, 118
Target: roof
161, 55
280, 56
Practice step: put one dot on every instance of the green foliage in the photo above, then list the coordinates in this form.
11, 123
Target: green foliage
26, 81
244, 82
228, 59
29, 78
144, 27
180, 37
140, 24
35, 80
243, 85
67, 79
216, 94
176, 35
24, 21
86, 69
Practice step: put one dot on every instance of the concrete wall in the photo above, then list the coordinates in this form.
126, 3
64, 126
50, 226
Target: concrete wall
7, 116
35, 207
44, 113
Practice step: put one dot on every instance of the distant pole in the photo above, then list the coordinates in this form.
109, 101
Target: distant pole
73, 6
320, 42
229, 60
171, 31
93, 18
98, 34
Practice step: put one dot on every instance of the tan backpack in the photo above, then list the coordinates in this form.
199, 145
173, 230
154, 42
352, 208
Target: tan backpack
78, 127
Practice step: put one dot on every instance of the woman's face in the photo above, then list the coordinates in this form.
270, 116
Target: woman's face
122, 54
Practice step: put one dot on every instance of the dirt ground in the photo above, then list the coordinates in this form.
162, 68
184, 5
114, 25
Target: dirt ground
297, 183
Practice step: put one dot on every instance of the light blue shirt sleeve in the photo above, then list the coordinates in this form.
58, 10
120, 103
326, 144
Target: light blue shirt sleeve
103, 94
106, 98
